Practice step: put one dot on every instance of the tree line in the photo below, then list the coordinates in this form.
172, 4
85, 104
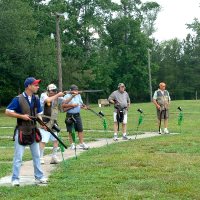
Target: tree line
103, 43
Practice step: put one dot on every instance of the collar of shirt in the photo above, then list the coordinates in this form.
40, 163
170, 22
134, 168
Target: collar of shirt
162, 91
28, 97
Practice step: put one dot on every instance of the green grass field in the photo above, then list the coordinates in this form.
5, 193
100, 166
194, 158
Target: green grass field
165, 167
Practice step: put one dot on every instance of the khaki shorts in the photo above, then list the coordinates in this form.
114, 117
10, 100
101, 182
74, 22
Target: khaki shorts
164, 115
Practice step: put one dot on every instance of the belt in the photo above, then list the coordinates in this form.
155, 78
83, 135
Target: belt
73, 114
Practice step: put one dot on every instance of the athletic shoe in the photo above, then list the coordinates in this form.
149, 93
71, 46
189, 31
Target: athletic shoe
72, 147
54, 160
160, 132
124, 137
41, 181
83, 146
166, 131
115, 138
15, 183
42, 161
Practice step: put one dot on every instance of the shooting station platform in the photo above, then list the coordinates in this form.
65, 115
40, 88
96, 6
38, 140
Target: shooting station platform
26, 172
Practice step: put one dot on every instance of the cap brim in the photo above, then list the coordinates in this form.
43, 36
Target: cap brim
36, 82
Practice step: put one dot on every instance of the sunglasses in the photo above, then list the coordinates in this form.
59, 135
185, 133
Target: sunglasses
53, 90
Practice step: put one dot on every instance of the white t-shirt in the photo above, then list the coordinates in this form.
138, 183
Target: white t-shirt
44, 96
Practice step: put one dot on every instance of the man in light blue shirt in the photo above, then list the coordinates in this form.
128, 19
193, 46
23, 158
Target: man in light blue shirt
72, 105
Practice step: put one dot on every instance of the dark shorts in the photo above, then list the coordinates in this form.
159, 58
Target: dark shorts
163, 115
77, 124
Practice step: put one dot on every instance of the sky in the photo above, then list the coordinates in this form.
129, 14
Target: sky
173, 16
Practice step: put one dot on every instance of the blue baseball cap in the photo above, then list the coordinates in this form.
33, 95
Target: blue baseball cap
31, 81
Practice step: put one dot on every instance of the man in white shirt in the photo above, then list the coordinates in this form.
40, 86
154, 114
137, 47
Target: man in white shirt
50, 102
161, 100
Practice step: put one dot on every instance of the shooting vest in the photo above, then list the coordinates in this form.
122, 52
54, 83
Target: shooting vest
50, 113
27, 126
163, 99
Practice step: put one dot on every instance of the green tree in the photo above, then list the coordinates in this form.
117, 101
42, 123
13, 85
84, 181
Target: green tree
191, 66
26, 48
169, 54
149, 11
85, 19
128, 47
16, 36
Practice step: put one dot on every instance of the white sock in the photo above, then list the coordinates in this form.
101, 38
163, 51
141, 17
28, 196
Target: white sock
41, 153
124, 134
55, 149
115, 134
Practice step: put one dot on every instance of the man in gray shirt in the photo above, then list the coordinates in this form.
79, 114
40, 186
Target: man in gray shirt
121, 101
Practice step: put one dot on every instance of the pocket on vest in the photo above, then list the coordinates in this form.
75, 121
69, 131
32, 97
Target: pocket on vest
24, 138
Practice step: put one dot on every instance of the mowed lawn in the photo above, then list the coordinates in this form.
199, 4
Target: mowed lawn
166, 167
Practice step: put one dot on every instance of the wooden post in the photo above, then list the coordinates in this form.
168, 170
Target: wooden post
58, 45
149, 68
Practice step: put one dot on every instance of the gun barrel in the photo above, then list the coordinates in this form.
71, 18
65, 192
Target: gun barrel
81, 91
100, 114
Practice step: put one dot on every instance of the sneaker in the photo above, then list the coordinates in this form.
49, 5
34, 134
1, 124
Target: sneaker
42, 161
160, 131
83, 146
166, 131
115, 138
124, 137
15, 183
72, 147
41, 181
54, 160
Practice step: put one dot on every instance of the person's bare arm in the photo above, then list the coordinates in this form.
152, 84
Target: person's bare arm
128, 105
66, 106
111, 98
112, 101
17, 115
39, 115
128, 102
66, 101
156, 104
50, 99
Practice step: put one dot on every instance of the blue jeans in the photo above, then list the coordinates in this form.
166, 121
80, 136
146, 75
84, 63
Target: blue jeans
17, 160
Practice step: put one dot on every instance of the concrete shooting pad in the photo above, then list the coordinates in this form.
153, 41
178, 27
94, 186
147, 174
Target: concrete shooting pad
26, 172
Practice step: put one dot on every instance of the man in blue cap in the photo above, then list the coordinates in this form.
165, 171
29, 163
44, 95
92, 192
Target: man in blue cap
23, 107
